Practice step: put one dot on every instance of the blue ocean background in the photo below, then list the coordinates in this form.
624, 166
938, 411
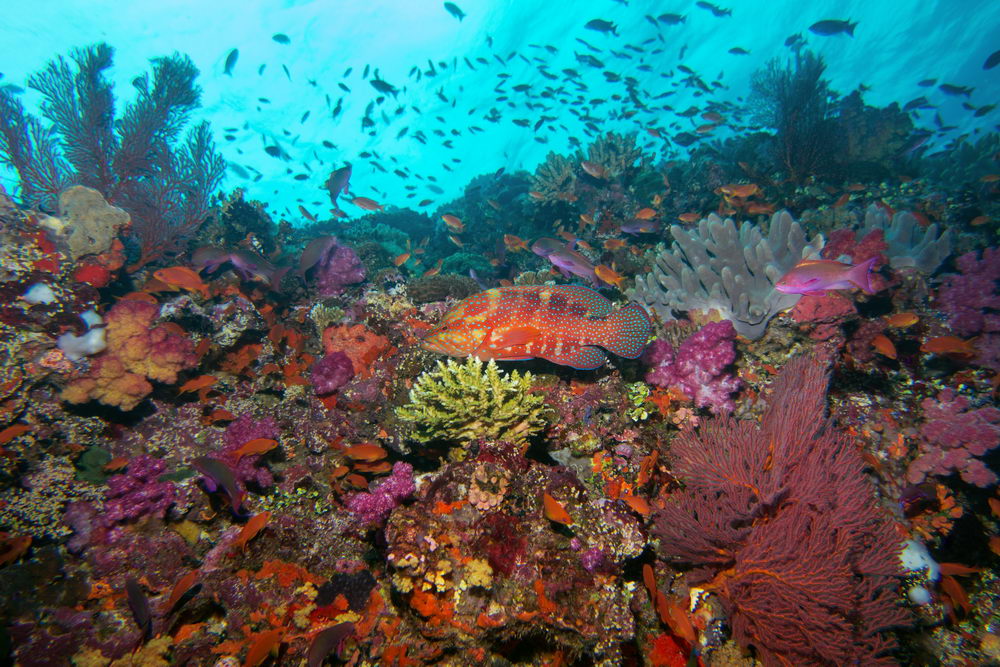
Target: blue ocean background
273, 85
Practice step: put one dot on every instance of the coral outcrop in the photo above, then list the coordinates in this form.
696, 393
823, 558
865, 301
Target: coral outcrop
717, 266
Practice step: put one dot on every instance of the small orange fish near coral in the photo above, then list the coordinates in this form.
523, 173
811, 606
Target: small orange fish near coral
454, 223
902, 320
689, 217
367, 204
252, 527
949, 345
255, 446
884, 346
401, 259
554, 510
365, 452
181, 277
645, 214
594, 169
12, 432
609, 275
741, 190
614, 244
454, 239
200, 382
514, 243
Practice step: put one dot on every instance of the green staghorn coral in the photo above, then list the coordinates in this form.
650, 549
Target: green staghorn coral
461, 402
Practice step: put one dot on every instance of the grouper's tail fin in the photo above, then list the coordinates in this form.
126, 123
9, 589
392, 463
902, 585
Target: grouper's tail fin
627, 330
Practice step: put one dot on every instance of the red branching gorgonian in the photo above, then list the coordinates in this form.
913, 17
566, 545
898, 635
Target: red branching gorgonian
779, 521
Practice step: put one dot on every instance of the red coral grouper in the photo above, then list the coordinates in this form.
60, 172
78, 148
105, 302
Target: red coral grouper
566, 324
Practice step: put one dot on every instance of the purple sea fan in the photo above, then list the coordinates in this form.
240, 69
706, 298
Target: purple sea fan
698, 367
331, 373
778, 519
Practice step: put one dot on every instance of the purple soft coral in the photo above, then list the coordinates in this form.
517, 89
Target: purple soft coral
331, 373
138, 492
972, 301
953, 436
240, 432
698, 366
372, 508
340, 266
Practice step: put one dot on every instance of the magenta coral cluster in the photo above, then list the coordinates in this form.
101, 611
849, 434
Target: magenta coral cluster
372, 508
241, 431
331, 373
138, 492
953, 436
340, 266
698, 366
971, 300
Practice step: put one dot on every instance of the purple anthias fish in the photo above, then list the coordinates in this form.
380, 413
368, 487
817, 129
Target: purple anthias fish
816, 276
314, 252
248, 264
640, 227
567, 260
217, 476
339, 181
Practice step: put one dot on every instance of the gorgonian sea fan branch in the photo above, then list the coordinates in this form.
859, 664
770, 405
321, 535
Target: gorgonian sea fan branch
134, 161
779, 521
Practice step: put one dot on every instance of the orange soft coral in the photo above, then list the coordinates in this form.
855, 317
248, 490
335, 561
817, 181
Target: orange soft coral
137, 352
360, 344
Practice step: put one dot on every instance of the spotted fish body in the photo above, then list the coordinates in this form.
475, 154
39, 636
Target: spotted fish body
565, 324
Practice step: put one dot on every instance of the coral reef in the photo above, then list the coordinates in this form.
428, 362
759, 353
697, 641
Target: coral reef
733, 271
906, 245
953, 438
460, 403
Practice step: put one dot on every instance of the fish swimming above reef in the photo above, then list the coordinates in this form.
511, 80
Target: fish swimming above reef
833, 27
816, 276
570, 325
454, 10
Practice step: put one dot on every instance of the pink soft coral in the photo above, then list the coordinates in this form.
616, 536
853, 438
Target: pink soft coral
953, 436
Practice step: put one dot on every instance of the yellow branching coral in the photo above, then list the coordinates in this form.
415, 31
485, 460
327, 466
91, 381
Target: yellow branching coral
462, 402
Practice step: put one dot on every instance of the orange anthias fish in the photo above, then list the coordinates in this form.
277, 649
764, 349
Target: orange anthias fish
181, 277
565, 324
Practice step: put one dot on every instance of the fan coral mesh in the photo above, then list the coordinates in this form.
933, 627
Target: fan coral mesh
907, 245
716, 266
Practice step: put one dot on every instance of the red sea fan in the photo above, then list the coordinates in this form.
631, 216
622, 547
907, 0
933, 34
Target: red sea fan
780, 522
137, 161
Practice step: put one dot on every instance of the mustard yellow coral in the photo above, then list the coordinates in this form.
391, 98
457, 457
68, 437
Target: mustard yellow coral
137, 352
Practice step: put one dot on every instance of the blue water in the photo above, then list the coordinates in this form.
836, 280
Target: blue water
895, 45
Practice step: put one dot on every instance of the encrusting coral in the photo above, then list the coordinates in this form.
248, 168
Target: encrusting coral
137, 352
461, 402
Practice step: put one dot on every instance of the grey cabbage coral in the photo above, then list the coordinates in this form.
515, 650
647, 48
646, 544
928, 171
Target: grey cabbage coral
462, 402
908, 244
716, 266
